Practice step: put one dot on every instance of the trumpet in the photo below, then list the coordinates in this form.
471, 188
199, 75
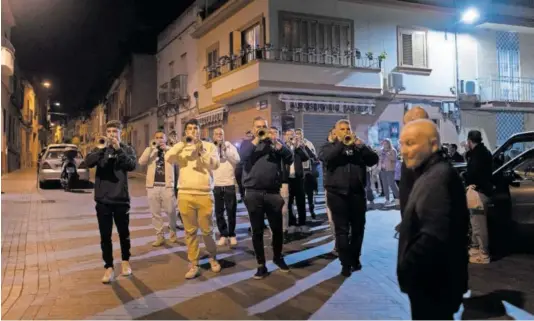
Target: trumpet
102, 142
348, 139
154, 143
189, 139
217, 143
262, 134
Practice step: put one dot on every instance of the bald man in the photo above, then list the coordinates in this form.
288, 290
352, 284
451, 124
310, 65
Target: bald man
432, 258
407, 178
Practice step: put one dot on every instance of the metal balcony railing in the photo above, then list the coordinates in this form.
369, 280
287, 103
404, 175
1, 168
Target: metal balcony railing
174, 90
311, 56
510, 89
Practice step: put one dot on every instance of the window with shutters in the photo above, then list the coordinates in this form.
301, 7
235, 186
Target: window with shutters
212, 61
413, 48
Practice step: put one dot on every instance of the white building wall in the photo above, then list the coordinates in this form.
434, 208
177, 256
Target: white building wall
175, 44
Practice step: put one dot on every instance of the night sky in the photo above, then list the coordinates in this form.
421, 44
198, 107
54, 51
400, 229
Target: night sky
80, 45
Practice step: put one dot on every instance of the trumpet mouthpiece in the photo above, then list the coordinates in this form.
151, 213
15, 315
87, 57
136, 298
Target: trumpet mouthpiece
188, 139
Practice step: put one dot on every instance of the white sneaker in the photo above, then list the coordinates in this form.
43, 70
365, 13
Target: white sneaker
233, 241
291, 229
172, 237
215, 266
160, 240
193, 272
222, 241
109, 276
389, 203
397, 202
126, 268
304, 229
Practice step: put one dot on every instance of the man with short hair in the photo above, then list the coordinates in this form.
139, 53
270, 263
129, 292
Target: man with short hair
113, 162
197, 160
346, 161
432, 257
310, 171
224, 191
454, 155
160, 184
478, 174
262, 170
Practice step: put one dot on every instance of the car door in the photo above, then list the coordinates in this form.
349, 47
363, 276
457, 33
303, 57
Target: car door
522, 191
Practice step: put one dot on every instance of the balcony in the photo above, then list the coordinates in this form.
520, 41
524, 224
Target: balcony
257, 71
8, 57
173, 92
507, 89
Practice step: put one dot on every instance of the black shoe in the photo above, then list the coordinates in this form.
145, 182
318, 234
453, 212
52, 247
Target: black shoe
313, 216
356, 267
261, 272
345, 271
287, 237
281, 265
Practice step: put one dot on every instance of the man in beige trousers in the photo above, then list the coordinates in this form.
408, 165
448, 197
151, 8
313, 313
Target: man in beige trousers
160, 182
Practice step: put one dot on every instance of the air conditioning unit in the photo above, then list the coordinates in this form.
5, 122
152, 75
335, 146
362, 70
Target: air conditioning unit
396, 81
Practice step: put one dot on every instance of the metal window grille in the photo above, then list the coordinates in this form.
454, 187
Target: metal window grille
509, 123
508, 66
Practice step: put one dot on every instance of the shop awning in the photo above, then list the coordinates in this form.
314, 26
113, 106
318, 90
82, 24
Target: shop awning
326, 104
212, 117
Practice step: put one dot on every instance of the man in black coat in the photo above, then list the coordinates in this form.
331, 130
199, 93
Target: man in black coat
346, 160
433, 239
113, 162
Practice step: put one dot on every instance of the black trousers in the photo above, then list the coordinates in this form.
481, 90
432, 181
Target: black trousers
310, 186
239, 180
260, 204
106, 214
225, 198
426, 306
296, 193
348, 214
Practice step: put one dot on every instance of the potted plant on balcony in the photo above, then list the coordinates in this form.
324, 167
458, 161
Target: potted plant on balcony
381, 58
369, 56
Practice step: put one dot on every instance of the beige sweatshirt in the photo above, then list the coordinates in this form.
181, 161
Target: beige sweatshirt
196, 167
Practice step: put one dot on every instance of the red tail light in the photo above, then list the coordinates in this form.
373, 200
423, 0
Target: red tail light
46, 166
82, 165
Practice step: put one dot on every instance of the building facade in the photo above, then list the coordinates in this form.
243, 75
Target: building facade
177, 73
306, 66
29, 131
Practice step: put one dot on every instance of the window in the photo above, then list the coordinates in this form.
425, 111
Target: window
250, 39
212, 62
413, 50
314, 36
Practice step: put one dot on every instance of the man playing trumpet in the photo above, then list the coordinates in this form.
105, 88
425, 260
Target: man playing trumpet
197, 160
160, 177
112, 160
224, 191
346, 159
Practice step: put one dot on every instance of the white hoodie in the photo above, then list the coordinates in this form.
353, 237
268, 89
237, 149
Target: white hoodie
225, 174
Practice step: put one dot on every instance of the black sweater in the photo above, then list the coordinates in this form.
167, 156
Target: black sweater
112, 167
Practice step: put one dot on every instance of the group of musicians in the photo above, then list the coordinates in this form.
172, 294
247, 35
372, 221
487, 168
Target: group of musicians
273, 177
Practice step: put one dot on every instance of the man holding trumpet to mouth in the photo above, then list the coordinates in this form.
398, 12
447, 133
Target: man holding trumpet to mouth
113, 160
197, 160
160, 177
346, 159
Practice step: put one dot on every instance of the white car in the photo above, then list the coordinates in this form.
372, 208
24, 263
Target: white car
50, 166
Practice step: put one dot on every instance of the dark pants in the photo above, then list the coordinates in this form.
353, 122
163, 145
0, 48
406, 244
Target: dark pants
368, 190
238, 178
106, 214
296, 192
348, 214
225, 198
430, 307
310, 186
260, 204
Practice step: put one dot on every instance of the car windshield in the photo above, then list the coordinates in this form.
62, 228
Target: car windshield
57, 154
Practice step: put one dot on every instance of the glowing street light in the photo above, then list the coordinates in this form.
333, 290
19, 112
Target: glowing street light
470, 16
47, 84
57, 104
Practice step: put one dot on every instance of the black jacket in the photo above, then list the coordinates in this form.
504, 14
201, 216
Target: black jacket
407, 180
433, 234
262, 165
112, 167
457, 158
480, 169
299, 155
346, 167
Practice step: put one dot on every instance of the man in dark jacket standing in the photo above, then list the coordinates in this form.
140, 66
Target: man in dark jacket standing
345, 162
479, 173
432, 258
262, 170
113, 162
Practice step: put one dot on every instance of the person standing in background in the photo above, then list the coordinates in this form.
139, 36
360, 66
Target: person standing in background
310, 178
388, 160
224, 191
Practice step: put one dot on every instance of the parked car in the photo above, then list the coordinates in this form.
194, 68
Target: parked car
50, 166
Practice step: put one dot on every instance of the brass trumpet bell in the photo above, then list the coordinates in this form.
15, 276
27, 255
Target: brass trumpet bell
348, 140
262, 134
189, 139
153, 143
102, 142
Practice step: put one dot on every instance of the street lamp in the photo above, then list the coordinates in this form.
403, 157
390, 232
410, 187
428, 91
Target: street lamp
470, 16
47, 84
57, 104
